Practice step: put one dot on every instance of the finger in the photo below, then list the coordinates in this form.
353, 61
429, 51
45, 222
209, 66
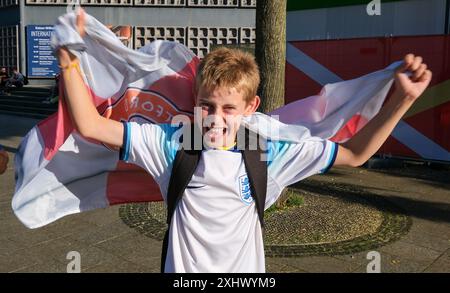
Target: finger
416, 63
62, 52
64, 56
409, 58
407, 62
81, 20
419, 72
427, 76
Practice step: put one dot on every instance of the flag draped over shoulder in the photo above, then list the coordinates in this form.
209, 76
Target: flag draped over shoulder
60, 173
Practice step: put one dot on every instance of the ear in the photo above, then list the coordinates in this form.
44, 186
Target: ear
253, 106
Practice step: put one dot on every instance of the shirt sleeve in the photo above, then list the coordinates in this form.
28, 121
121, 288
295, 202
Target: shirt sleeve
150, 146
291, 162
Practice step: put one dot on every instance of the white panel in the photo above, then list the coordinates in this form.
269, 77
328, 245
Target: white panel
415, 17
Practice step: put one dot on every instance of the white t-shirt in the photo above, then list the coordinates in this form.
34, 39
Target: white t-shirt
215, 227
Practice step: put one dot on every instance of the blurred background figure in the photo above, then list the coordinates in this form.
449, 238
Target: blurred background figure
3, 160
16, 80
3, 78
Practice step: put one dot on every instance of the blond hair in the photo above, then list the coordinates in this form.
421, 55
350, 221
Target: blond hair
229, 68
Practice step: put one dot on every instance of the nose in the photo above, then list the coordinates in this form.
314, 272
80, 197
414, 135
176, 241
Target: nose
217, 120
215, 111
216, 114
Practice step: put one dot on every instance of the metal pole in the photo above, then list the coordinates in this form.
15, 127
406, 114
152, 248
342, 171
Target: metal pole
22, 40
447, 17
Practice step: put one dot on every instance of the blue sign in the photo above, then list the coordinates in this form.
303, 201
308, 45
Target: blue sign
40, 59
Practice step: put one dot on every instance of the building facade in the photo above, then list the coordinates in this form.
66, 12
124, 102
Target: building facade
25, 26
329, 42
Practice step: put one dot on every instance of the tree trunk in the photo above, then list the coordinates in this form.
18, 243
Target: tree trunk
270, 51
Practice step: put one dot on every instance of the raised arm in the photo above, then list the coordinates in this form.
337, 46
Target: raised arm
368, 140
85, 116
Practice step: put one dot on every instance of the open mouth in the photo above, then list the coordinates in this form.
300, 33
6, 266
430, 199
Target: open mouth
215, 132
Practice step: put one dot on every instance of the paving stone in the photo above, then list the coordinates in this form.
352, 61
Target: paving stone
47, 267
116, 265
104, 233
397, 264
14, 261
433, 228
320, 264
441, 265
420, 238
8, 246
29, 237
58, 251
102, 217
359, 258
275, 265
410, 252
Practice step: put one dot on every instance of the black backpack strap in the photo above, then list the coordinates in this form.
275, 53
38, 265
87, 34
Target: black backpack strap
165, 246
256, 169
183, 168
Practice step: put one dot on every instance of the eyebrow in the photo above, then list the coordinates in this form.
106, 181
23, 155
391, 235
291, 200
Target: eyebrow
204, 101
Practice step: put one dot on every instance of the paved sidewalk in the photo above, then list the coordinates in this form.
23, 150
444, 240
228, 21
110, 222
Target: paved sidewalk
106, 244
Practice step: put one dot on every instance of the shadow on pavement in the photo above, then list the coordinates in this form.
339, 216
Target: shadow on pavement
434, 211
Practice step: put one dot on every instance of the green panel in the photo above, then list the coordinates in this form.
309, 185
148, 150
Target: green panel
293, 5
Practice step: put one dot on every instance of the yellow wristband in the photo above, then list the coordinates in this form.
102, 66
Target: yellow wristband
71, 64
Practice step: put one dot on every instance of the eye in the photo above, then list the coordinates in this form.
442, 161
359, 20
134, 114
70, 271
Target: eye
229, 111
229, 108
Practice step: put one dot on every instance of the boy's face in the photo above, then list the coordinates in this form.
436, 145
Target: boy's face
222, 111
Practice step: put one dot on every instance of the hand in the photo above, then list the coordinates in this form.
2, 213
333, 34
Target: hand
410, 88
81, 22
64, 55
3, 161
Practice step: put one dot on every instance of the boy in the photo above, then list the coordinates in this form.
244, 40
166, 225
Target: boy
215, 227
